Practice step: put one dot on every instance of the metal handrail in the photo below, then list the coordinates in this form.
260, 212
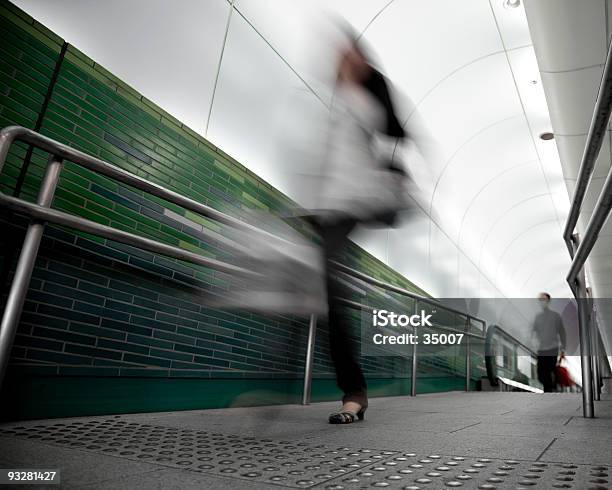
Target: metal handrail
431, 301
594, 141
490, 352
399, 290
579, 250
515, 340
596, 223
41, 212
17, 133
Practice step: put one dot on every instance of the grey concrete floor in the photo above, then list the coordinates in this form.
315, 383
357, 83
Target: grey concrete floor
527, 440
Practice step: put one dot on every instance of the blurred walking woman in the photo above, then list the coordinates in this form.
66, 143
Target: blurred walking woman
360, 186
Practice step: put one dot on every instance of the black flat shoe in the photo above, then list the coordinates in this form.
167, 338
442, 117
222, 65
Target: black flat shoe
347, 417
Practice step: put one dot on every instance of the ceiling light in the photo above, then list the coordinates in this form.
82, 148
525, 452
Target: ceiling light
547, 136
512, 4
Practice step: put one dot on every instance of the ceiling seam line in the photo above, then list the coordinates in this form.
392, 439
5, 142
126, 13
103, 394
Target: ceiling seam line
522, 261
459, 148
501, 38
212, 98
446, 165
536, 271
552, 72
454, 72
444, 78
569, 135
505, 213
527, 230
374, 18
306, 84
459, 249
473, 200
489, 182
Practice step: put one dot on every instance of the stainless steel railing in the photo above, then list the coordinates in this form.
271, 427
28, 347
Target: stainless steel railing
416, 298
41, 212
491, 354
580, 249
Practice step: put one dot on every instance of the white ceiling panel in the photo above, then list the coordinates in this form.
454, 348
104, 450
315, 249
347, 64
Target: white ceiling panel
500, 239
512, 252
472, 227
168, 54
429, 41
470, 104
572, 149
512, 24
571, 109
250, 105
581, 45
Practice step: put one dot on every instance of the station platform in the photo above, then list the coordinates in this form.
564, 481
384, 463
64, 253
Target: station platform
471, 440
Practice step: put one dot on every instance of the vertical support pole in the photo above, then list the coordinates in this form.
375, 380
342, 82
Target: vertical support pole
25, 266
579, 289
585, 358
413, 374
589, 306
596, 375
595, 357
312, 333
468, 360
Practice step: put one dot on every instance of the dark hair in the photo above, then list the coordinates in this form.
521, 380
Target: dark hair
375, 82
377, 85
547, 295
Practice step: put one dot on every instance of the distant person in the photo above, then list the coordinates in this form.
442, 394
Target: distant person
550, 336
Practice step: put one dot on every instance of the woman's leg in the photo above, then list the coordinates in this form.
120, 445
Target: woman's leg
349, 375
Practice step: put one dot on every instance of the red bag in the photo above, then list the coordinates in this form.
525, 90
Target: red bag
562, 375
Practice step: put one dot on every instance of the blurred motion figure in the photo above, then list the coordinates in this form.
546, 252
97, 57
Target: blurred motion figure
360, 185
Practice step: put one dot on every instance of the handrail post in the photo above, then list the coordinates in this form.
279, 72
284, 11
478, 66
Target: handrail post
580, 293
595, 353
413, 374
312, 331
596, 376
594, 342
468, 359
25, 266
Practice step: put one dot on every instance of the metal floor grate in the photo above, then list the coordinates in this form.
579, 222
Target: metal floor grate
299, 464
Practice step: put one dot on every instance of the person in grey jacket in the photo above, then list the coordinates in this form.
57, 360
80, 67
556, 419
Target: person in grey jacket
357, 189
550, 335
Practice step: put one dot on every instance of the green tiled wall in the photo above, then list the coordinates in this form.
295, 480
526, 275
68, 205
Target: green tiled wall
99, 313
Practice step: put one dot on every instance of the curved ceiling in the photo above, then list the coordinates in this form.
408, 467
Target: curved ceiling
494, 200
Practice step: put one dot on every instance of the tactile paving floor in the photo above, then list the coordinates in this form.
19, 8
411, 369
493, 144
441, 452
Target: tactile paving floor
299, 464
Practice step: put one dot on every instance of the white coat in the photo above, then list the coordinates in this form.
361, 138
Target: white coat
355, 182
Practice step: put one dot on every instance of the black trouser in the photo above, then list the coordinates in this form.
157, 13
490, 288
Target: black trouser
349, 375
547, 361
